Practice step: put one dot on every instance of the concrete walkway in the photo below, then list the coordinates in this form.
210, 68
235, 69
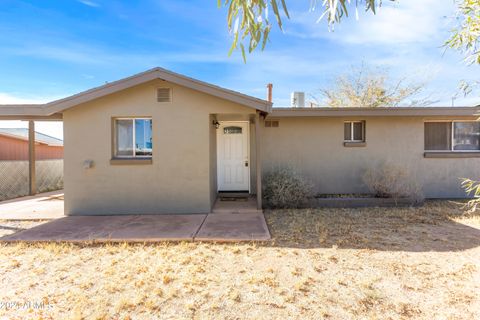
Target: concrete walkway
43, 206
232, 221
148, 228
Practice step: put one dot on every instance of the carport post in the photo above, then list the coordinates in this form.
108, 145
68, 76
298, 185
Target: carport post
31, 158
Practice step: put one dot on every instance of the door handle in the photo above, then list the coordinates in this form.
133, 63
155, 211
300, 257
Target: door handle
246, 163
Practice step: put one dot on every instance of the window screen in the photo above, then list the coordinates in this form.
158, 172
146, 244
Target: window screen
358, 131
124, 137
438, 135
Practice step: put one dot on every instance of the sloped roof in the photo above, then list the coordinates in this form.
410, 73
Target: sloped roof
58, 106
22, 133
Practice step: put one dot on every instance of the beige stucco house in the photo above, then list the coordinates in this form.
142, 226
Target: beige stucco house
159, 142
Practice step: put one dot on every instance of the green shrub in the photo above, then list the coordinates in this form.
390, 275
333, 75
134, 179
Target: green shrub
283, 187
472, 188
392, 181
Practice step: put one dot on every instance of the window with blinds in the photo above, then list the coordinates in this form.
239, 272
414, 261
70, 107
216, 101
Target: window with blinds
452, 136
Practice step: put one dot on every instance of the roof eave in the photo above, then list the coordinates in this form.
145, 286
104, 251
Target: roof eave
376, 112
156, 73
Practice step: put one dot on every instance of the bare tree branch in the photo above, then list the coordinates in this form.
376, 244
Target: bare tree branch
363, 87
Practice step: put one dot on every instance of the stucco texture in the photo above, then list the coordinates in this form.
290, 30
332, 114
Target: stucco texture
181, 177
314, 146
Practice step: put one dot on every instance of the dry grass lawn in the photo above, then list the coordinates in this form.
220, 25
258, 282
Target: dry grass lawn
411, 263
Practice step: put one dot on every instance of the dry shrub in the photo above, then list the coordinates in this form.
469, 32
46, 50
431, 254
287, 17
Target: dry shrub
392, 181
284, 187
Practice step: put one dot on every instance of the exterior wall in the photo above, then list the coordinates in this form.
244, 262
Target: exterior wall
17, 149
315, 147
181, 176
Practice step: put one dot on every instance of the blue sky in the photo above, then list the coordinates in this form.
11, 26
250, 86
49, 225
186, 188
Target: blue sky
51, 49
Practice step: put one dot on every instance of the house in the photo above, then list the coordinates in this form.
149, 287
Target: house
160, 142
14, 145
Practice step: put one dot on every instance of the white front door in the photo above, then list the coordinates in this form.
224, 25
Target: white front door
233, 163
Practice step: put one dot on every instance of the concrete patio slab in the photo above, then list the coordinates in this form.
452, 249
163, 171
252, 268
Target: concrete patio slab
233, 228
238, 206
124, 228
43, 206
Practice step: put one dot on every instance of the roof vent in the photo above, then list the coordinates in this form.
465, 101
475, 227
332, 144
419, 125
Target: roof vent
164, 94
297, 99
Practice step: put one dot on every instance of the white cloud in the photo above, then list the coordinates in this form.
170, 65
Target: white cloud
89, 3
403, 22
81, 53
409, 21
7, 98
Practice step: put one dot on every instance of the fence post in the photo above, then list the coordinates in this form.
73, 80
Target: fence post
31, 158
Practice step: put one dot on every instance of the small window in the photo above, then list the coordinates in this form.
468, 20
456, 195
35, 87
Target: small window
354, 131
164, 94
272, 124
232, 130
133, 137
452, 136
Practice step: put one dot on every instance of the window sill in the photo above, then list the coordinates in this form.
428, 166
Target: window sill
451, 154
130, 161
354, 144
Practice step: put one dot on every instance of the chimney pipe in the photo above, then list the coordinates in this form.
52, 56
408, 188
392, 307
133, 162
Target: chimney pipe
269, 92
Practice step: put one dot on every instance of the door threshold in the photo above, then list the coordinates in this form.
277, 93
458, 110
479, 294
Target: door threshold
233, 195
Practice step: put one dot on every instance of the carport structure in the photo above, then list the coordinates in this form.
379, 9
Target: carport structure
30, 113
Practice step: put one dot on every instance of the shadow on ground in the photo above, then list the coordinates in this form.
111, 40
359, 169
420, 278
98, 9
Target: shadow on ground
432, 227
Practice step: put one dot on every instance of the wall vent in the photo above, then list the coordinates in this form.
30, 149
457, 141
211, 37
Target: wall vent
164, 95
272, 124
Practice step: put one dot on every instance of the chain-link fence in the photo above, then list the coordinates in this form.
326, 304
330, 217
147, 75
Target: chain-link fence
14, 177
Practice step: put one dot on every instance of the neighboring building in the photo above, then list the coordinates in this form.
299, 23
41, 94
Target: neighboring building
159, 142
14, 145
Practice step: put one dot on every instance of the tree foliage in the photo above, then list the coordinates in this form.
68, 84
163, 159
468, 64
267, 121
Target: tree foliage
465, 37
250, 20
371, 88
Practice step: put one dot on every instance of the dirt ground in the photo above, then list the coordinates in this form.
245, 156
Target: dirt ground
404, 263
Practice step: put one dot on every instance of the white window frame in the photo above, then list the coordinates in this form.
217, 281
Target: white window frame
115, 145
452, 137
352, 122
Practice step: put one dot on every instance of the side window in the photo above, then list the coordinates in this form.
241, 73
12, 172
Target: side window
133, 137
354, 131
452, 136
